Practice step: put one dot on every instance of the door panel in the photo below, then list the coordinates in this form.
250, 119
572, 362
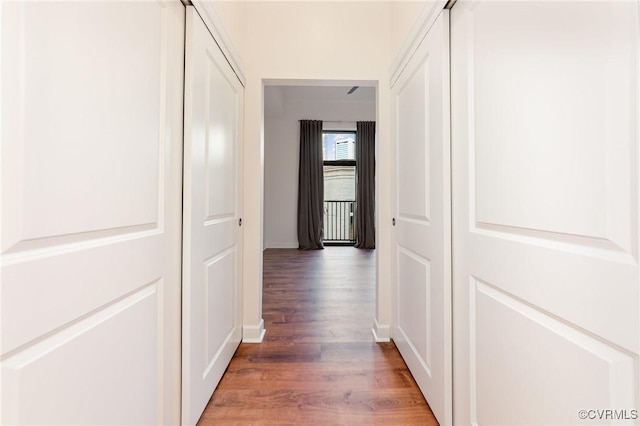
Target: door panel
422, 264
545, 184
91, 183
212, 250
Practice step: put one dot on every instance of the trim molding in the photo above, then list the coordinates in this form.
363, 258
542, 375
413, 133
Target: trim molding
253, 333
281, 245
420, 28
207, 12
381, 332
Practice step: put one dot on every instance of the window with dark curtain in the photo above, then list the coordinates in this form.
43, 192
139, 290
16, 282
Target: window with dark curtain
310, 186
365, 184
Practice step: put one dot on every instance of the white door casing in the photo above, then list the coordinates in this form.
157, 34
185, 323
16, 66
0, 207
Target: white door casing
212, 250
545, 211
422, 237
91, 212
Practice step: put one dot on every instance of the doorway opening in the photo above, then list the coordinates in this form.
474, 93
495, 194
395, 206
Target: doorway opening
284, 106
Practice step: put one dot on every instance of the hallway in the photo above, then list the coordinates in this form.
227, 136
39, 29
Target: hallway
318, 363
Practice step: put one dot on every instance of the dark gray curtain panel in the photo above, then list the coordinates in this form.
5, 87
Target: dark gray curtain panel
365, 184
310, 186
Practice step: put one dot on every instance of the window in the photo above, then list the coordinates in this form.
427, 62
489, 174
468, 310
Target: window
339, 156
338, 146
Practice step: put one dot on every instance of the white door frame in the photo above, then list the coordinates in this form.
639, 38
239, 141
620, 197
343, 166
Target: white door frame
381, 321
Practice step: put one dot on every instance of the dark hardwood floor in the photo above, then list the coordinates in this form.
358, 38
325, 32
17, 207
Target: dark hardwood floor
318, 363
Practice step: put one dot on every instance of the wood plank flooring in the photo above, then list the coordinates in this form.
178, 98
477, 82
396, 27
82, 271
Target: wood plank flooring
318, 363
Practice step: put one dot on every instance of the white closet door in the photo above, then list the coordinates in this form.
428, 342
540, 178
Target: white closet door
212, 251
91, 212
545, 180
422, 247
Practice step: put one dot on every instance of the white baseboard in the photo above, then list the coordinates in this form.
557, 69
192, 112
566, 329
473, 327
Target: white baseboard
253, 333
281, 245
381, 332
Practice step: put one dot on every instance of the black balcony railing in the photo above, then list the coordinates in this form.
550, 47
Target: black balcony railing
339, 225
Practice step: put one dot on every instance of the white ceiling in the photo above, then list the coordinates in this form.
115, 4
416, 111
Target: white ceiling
328, 94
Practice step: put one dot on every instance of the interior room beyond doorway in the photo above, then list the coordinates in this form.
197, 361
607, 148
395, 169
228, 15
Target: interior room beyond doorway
339, 111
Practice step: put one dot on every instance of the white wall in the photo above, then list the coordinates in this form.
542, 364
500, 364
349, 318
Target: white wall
328, 42
404, 15
281, 155
231, 15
